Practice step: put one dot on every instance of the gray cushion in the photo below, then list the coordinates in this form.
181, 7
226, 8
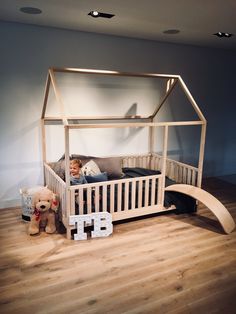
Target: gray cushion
111, 165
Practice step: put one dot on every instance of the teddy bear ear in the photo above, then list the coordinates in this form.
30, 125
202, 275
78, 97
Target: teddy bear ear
55, 202
35, 199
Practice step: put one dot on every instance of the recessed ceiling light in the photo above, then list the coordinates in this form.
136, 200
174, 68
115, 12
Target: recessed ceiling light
30, 10
171, 31
101, 14
221, 34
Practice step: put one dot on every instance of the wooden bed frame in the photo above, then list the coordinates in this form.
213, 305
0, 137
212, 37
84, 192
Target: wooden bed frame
179, 172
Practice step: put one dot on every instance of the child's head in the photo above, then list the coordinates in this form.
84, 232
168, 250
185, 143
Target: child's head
75, 166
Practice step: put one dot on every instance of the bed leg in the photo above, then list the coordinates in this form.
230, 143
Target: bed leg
68, 233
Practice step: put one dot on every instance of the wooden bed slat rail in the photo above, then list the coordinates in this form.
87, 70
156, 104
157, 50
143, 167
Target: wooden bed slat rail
133, 196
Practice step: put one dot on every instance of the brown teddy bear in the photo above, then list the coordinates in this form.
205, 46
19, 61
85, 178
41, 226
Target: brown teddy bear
45, 205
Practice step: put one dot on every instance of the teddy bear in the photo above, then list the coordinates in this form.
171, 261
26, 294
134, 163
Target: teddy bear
45, 206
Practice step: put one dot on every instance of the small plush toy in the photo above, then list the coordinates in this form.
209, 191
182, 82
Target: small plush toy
45, 205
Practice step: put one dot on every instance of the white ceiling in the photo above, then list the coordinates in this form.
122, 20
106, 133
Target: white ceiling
197, 20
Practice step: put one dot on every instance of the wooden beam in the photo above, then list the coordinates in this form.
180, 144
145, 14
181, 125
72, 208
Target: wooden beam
132, 125
101, 118
113, 73
168, 92
58, 97
46, 93
191, 99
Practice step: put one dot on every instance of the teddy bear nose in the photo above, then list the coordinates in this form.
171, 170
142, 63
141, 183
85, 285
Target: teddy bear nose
42, 206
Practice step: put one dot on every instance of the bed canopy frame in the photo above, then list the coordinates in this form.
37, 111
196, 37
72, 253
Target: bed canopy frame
180, 172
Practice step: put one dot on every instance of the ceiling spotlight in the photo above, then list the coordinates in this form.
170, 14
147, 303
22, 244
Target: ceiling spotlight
221, 34
30, 10
100, 14
94, 13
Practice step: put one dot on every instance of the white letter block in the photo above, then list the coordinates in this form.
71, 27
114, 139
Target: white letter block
80, 220
102, 225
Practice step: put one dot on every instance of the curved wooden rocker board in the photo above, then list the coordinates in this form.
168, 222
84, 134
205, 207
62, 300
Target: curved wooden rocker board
217, 208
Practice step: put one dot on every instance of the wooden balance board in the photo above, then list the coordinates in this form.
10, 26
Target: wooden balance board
212, 203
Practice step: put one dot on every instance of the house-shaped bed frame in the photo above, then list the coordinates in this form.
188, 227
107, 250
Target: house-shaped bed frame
188, 178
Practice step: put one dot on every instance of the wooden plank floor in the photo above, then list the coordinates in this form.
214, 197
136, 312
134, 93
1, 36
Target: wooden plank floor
163, 264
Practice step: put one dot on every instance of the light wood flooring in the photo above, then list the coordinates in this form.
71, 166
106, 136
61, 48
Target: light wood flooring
163, 264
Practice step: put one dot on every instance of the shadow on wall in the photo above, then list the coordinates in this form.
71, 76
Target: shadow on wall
125, 134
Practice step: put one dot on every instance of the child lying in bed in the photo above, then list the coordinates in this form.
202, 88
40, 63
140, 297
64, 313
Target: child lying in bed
75, 172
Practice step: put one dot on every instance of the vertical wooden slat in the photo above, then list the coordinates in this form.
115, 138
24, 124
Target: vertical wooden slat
159, 191
89, 200
153, 191
126, 204
112, 194
184, 175
189, 176
133, 200
194, 178
119, 196
146, 192
81, 201
104, 198
72, 203
140, 192
97, 197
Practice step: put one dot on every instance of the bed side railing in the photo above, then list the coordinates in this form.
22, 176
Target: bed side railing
123, 198
58, 186
175, 170
142, 161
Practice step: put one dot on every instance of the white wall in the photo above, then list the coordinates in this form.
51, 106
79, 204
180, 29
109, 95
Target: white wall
28, 51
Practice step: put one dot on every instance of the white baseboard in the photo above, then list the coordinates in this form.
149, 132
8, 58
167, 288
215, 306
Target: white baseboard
10, 203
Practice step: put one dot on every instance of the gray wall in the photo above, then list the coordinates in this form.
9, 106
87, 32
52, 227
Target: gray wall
28, 51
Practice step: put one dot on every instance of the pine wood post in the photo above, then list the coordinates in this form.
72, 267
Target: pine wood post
67, 175
163, 166
67, 156
44, 154
151, 137
201, 155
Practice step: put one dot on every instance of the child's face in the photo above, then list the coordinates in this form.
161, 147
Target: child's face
74, 169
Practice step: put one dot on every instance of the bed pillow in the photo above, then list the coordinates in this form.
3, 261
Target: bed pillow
97, 178
90, 168
59, 168
111, 165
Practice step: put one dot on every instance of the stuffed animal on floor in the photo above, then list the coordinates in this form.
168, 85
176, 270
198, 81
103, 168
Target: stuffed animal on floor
45, 205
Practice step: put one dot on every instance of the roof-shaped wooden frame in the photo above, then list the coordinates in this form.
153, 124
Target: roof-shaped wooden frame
120, 121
